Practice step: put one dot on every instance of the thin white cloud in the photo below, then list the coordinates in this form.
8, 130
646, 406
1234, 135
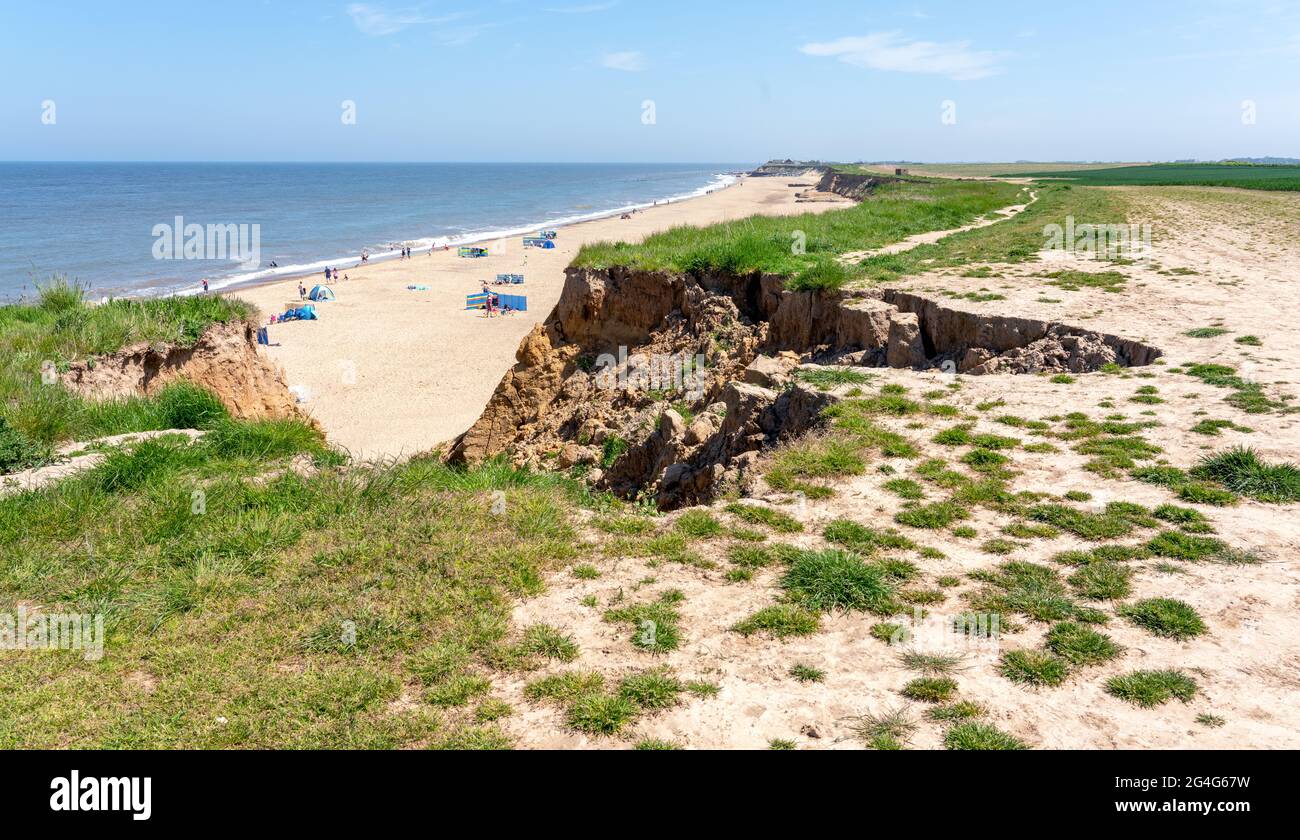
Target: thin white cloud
582, 10
630, 62
892, 51
377, 20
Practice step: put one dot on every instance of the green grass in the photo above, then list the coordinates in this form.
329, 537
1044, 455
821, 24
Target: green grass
1242, 471
764, 243
817, 458
1152, 688
761, 515
1028, 588
887, 731
1073, 280
1014, 240
932, 516
655, 624
657, 688
962, 710
930, 689
698, 524
1081, 645
780, 621
1214, 427
1177, 545
862, 539
1206, 332
806, 673
601, 714
60, 329
930, 664
1034, 667
905, 488
1246, 396
1167, 617
297, 606
1241, 175
829, 378
1102, 581
972, 735
820, 581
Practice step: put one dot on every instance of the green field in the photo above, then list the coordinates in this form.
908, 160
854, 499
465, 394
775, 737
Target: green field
1245, 176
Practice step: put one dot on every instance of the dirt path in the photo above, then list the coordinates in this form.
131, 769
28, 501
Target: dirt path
930, 237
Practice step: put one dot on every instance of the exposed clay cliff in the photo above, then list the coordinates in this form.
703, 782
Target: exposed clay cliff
856, 187
224, 360
668, 385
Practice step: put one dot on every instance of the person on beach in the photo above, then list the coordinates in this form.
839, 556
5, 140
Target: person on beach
302, 291
327, 274
205, 285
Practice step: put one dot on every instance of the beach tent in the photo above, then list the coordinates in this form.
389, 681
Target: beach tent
306, 312
471, 251
319, 293
476, 301
513, 303
537, 242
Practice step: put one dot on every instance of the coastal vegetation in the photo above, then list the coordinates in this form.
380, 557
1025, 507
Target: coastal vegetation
41, 338
805, 247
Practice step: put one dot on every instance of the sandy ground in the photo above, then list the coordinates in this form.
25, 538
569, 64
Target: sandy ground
1247, 666
390, 372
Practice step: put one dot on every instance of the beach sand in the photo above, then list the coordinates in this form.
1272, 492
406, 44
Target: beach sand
390, 372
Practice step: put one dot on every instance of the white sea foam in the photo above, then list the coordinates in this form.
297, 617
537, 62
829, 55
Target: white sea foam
423, 245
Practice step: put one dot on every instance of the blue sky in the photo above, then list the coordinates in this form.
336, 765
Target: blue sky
567, 80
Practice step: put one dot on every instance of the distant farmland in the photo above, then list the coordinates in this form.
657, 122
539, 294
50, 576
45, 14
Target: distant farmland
1246, 176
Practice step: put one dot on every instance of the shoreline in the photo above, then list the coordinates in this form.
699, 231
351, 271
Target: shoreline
436, 244
396, 365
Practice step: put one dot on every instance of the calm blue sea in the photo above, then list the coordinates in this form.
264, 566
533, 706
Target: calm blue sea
96, 222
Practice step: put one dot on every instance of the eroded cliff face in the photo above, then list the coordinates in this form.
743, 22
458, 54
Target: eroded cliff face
856, 187
224, 360
668, 386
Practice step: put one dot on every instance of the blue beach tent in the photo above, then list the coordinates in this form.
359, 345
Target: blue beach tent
321, 293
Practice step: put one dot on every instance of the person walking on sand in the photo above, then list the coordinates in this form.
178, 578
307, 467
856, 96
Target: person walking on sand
302, 291
205, 285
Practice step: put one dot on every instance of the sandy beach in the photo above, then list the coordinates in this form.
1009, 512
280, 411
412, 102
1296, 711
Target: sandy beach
390, 372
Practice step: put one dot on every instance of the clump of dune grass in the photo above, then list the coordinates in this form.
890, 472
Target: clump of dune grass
972, 735
1034, 667
1165, 617
806, 673
767, 516
1081, 645
780, 621
655, 624
1242, 471
1152, 688
839, 580
886, 731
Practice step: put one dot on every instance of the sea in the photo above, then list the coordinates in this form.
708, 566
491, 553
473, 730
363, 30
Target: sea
148, 229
